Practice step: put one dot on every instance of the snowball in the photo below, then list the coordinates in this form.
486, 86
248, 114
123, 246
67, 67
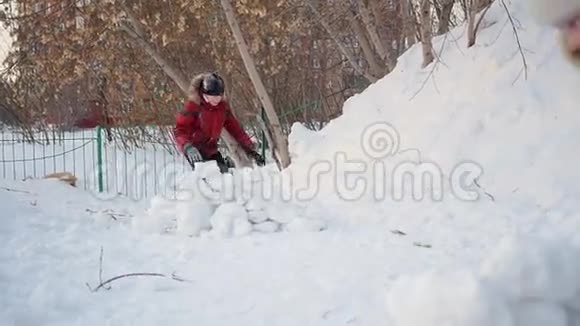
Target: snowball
206, 182
241, 227
255, 204
157, 217
281, 212
228, 220
193, 216
240, 186
257, 216
267, 227
457, 299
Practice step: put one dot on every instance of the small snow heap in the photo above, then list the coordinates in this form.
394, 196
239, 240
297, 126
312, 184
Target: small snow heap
228, 205
524, 282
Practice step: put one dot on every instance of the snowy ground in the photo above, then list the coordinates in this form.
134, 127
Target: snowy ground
506, 256
345, 275
51, 247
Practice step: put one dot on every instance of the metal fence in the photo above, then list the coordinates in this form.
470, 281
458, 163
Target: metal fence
25, 155
139, 170
102, 166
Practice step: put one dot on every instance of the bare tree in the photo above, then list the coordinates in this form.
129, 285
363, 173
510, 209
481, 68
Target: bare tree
371, 28
444, 9
426, 32
341, 46
136, 31
472, 8
375, 68
280, 142
408, 35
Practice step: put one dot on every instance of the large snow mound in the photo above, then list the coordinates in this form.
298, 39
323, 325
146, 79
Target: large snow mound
483, 129
524, 281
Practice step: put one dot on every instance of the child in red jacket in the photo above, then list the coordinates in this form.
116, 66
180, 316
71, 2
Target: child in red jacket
199, 125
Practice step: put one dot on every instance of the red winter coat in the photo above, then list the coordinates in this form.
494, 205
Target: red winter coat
200, 124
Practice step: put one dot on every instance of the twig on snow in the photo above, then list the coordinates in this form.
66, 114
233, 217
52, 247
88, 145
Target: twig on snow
398, 232
517, 39
422, 245
15, 190
112, 214
104, 285
432, 72
101, 269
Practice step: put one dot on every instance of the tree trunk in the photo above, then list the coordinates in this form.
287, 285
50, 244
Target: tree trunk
138, 37
371, 28
137, 34
279, 138
471, 23
348, 54
426, 33
408, 19
375, 68
473, 8
445, 16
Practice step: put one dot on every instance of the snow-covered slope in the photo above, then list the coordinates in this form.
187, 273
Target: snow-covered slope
472, 112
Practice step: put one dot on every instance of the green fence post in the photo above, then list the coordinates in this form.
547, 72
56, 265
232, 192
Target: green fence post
100, 158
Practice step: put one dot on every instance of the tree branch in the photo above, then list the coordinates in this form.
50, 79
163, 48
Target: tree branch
103, 285
348, 54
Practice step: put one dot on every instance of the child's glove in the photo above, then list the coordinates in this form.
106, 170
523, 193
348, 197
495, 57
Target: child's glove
192, 153
257, 157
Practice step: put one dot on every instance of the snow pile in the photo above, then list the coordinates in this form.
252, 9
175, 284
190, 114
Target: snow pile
526, 281
478, 126
228, 205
